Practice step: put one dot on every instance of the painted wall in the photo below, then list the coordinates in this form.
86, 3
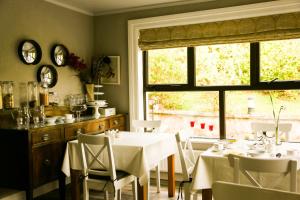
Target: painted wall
111, 39
47, 24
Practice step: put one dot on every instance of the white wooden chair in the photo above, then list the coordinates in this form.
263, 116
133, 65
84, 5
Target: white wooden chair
187, 160
100, 174
149, 126
276, 165
285, 128
231, 191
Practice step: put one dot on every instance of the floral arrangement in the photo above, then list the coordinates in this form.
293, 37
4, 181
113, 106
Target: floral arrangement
76, 63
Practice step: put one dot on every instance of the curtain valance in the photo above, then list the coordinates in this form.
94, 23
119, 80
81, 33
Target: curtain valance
272, 27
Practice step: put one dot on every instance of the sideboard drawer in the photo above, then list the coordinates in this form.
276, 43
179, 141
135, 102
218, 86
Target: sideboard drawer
72, 131
98, 126
45, 136
116, 122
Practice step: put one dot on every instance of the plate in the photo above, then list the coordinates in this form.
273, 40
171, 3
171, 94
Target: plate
69, 120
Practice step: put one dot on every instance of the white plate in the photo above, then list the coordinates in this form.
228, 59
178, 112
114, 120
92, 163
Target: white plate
69, 120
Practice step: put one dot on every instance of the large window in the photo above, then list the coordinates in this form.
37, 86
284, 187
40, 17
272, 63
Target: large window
223, 88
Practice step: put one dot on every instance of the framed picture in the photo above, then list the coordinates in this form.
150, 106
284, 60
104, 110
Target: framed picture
115, 66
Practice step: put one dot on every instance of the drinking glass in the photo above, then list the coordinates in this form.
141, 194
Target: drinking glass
77, 105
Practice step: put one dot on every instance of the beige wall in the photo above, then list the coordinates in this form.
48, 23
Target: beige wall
111, 39
84, 35
47, 24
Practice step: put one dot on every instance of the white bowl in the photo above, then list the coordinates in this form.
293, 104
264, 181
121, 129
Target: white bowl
51, 120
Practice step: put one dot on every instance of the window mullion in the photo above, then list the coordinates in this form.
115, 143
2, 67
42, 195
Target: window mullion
254, 64
222, 114
191, 66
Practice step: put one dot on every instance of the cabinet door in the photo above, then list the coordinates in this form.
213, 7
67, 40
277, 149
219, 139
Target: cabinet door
47, 162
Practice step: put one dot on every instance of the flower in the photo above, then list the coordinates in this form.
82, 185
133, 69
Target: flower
76, 63
276, 118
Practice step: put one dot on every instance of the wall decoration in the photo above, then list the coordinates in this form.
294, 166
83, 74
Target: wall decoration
30, 52
110, 70
59, 55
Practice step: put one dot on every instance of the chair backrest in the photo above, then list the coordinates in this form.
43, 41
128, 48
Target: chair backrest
264, 126
97, 155
187, 157
232, 191
146, 125
248, 164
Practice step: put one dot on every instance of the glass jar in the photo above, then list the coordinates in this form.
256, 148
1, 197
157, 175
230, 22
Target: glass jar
33, 94
23, 99
44, 95
1, 97
8, 94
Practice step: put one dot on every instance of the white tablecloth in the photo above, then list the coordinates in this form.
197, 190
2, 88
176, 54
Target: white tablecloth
135, 153
214, 166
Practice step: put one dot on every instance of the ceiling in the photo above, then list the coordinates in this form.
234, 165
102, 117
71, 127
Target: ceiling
101, 7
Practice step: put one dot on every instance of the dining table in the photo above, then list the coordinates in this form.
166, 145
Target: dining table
134, 153
213, 165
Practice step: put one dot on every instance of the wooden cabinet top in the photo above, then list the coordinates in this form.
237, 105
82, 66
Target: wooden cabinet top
84, 120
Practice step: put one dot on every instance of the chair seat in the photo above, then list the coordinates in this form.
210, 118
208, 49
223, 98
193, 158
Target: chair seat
120, 174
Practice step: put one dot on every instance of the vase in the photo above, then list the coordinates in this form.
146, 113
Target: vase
89, 92
277, 137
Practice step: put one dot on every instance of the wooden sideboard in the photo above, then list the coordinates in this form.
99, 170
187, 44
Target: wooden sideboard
33, 157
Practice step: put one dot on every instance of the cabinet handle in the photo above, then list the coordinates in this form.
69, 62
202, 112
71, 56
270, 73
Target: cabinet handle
45, 137
46, 162
101, 127
116, 122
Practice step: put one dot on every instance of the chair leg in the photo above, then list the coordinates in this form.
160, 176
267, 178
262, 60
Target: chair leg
157, 169
187, 193
134, 189
106, 196
85, 191
119, 194
195, 197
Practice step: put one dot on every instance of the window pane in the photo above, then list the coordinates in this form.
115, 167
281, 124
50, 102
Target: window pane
280, 59
227, 64
244, 107
178, 109
167, 66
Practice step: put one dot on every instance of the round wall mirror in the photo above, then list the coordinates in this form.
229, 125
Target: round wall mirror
59, 55
47, 75
30, 52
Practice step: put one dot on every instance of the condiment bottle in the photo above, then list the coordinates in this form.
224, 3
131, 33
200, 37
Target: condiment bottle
44, 95
33, 94
7, 94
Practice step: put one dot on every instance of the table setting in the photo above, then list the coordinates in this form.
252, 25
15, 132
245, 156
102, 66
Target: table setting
213, 165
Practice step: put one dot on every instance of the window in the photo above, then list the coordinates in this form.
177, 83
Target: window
227, 64
167, 66
178, 110
280, 59
245, 107
223, 88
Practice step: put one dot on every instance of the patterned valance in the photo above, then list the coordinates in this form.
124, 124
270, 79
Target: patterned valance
272, 27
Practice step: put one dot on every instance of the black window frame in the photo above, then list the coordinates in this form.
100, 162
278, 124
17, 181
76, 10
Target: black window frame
255, 83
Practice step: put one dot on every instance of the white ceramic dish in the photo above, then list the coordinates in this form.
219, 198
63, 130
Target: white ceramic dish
69, 120
50, 120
